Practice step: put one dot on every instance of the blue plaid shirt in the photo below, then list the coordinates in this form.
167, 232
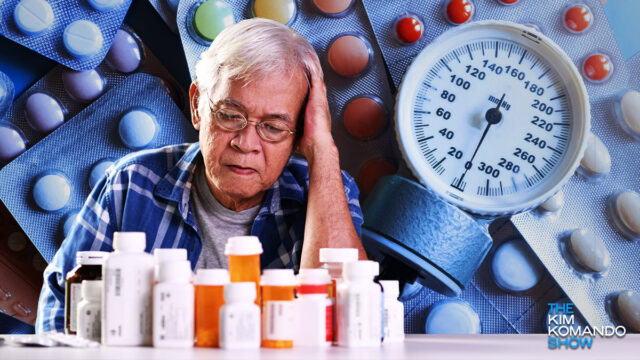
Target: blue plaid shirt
149, 191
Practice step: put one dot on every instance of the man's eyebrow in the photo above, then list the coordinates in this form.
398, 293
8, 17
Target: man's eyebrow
237, 104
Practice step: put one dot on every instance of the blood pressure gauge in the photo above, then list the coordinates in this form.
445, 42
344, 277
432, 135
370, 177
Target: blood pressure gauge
493, 117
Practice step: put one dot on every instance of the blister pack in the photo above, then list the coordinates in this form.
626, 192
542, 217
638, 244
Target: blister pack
62, 93
76, 34
586, 235
358, 91
167, 10
43, 189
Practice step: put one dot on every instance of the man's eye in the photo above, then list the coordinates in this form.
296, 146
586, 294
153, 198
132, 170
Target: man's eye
272, 127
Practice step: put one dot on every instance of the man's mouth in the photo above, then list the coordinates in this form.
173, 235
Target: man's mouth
241, 170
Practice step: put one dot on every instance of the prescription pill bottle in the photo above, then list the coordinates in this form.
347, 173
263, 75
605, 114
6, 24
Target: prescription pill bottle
239, 317
393, 311
244, 260
332, 260
278, 286
209, 287
89, 310
315, 328
163, 255
173, 305
88, 267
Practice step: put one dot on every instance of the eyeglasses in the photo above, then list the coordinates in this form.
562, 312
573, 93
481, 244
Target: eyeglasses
269, 130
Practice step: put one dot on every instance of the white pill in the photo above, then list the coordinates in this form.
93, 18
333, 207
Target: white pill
589, 250
554, 203
630, 106
628, 305
596, 160
627, 208
33, 16
82, 38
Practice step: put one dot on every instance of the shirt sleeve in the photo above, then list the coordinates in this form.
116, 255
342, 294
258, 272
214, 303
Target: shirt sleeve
92, 231
352, 193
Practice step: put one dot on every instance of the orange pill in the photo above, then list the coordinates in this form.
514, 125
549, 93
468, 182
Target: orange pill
372, 171
578, 18
364, 118
408, 28
349, 55
597, 67
459, 11
333, 8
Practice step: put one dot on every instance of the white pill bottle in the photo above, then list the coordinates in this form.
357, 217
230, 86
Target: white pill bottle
126, 299
173, 305
240, 317
88, 311
393, 313
359, 306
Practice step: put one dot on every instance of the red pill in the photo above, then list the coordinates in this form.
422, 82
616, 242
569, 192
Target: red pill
372, 171
364, 118
578, 18
459, 11
408, 28
507, 2
597, 67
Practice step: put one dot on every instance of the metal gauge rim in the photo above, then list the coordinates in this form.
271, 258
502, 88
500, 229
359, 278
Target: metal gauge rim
527, 38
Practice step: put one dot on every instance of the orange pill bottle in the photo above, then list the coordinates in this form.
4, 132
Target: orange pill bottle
244, 260
278, 286
209, 291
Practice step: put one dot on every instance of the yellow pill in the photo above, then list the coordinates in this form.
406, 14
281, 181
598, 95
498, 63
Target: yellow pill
282, 11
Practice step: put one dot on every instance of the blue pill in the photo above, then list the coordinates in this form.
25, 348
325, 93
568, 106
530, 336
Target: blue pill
138, 128
452, 317
6, 92
82, 38
515, 267
98, 171
33, 16
105, 5
68, 221
173, 4
43, 112
12, 142
52, 191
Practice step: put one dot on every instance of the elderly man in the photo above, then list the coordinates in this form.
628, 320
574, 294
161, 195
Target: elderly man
258, 96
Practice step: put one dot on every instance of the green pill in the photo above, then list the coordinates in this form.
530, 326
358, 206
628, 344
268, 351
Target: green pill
211, 17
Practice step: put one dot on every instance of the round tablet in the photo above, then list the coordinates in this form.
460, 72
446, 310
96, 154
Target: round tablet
82, 38
408, 28
12, 141
211, 17
597, 68
589, 251
334, 8
554, 203
43, 112
628, 309
282, 11
105, 5
98, 171
628, 111
173, 5
138, 128
124, 55
68, 221
372, 171
85, 85
458, 11
626, 213
16, 241
364, 117
452, 317
577, 18
349, 55
6, 93
507, 2
33, 16
515, 267
52, 191
596, 161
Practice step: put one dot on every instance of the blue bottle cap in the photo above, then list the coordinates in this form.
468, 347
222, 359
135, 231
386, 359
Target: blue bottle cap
52, 191
452, 316
98, 171
82, 38
515, 267
138, 128
33, 16
12, 141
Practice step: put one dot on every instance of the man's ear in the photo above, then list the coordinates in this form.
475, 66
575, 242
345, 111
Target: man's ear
194, 97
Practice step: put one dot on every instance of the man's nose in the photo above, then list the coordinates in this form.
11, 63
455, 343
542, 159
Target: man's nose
247, 140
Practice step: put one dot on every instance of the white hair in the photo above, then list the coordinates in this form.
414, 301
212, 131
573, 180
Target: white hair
247, 51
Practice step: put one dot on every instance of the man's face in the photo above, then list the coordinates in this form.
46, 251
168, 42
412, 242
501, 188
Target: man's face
240, 165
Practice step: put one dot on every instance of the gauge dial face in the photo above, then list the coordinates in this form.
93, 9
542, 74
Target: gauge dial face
493, 117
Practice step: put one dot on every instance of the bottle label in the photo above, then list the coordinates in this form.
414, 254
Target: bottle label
89, 323
176, 318
277, 320
239, 328
75, 297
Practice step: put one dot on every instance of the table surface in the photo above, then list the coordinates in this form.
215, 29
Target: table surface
414, 347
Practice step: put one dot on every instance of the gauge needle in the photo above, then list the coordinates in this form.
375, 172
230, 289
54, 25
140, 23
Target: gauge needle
493, 116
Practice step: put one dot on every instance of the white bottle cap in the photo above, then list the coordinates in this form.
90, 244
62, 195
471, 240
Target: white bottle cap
278, 277
212, 277
162, 255
91, 289
129, 241
240, 291
360, 270
339, 255
243, 245
175, 271
90, 257
314, 277
391, 288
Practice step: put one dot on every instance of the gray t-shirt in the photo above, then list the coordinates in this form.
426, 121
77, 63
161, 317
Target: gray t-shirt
216, 223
